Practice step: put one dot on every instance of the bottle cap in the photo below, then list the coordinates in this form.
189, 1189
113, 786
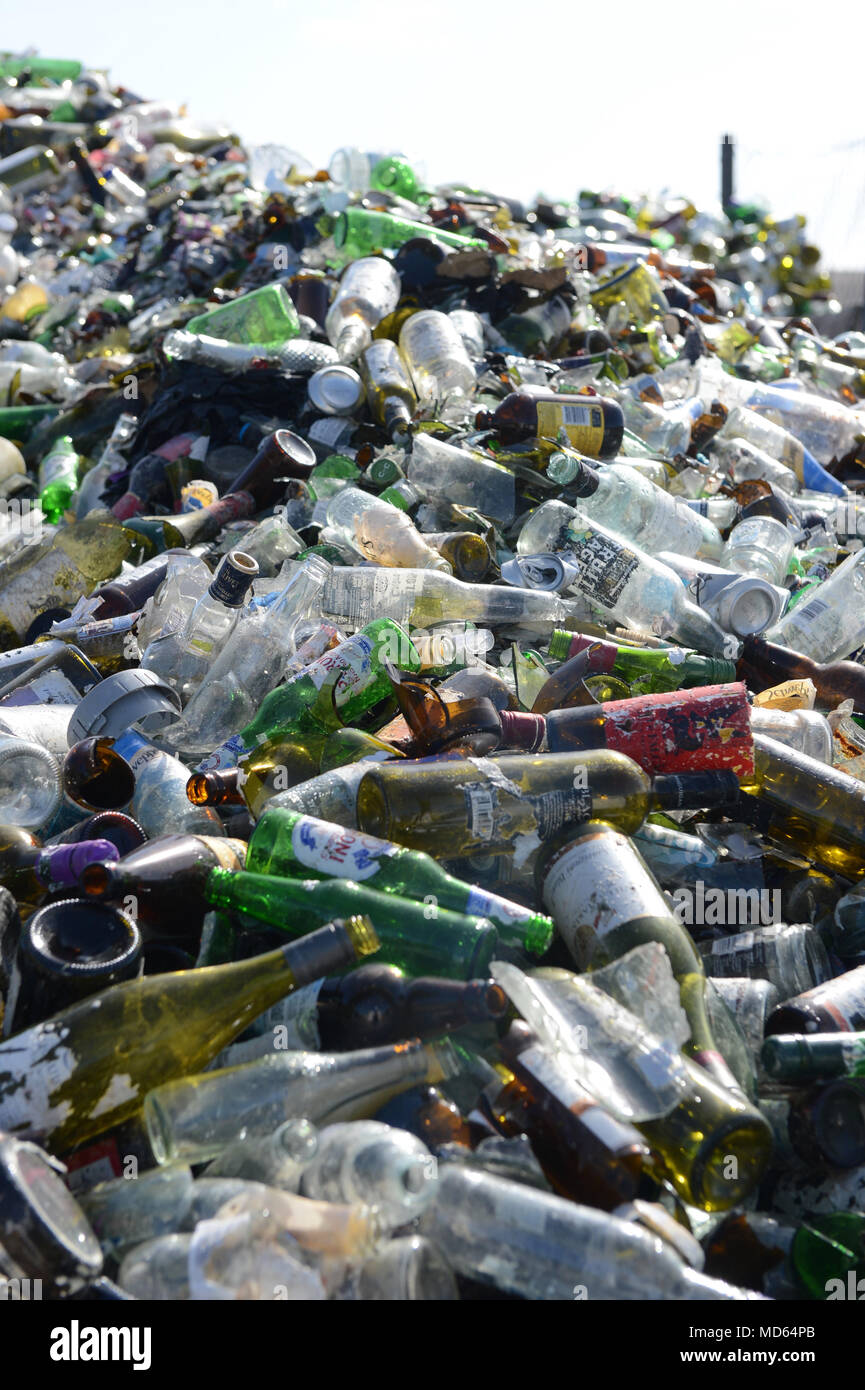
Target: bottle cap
42, 1227
129, 697
335, 389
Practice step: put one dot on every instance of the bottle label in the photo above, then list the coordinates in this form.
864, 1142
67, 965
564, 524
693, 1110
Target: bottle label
604, 565
481, 810
788, 695
57, 466
229, 854
739, 955
332, 431
230, 584
357, 595
334, 851
480, 903
137, 751
39, 1067
583, 424
48, 688
701, 730
596, 886
351, 662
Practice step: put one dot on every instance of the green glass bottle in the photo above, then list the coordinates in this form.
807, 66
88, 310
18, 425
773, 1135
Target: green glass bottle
794, 1059
646, 670
293, 845
332, 691
265, 316
394, 175
827, 1250
58, 478
421, 938
89, 1067
360, 232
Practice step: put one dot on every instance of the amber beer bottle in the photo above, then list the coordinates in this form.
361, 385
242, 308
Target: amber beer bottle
763, 664
592, 424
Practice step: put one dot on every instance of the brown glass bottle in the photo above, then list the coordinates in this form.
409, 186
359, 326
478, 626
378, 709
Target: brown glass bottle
130, 592
704, 729
165, 877
121, 830
764, 664
593, 424
97, 777
376, 1004
460, 689
437, 724
586, 1153
157, 534
424, 1111
281, 456
216, 788
836, 1006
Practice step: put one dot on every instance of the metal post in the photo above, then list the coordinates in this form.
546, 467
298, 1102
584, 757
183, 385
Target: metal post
727, 148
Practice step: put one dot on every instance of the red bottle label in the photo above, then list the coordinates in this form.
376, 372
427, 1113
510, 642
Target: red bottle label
707, 729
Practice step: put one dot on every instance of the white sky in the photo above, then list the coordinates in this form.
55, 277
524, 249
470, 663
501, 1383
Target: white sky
514, 96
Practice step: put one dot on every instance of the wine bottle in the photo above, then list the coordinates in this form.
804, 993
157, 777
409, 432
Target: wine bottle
673, 731
372, 1005
165, 877
484, 806
796, 1059
88, 1068
605, 901
836, 1006
817, 809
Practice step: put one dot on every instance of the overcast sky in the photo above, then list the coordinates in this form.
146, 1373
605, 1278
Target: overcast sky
512, 96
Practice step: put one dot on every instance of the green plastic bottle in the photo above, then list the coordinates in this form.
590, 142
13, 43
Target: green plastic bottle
293, 845
420, 938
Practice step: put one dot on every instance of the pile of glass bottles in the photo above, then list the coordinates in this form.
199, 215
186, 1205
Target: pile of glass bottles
432, 730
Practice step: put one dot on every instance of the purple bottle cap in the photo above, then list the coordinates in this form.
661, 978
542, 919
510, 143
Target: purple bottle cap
61, 866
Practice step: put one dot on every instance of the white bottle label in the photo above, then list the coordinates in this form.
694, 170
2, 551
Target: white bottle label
596, 886
480, 903
335, 851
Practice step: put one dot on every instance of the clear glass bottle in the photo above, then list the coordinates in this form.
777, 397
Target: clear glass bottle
368, 291
381, 532
830, 624
757, 545
435, 355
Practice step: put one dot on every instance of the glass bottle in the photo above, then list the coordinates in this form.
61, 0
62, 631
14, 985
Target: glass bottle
433, 351
626, 502
541, 1246
380, 531
593, 425
331, 691
817, 809
707, 728
389, 392
144, 1032
420, 938
645, 669
184, 658
368, 291
255, 657
605, 901
288, 844
193, 1119
499, 805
